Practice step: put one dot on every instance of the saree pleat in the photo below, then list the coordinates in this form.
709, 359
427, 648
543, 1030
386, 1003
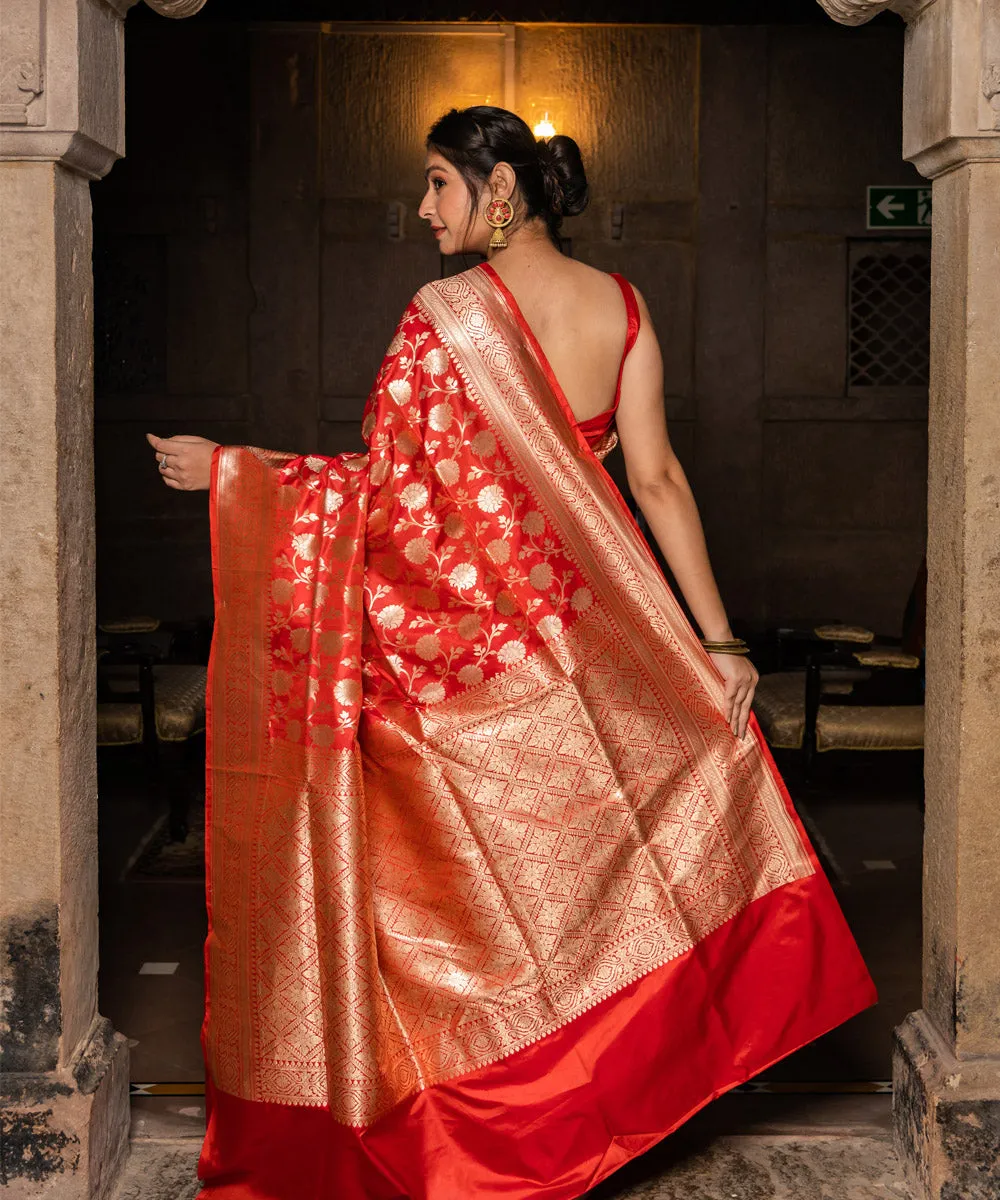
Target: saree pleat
496, 898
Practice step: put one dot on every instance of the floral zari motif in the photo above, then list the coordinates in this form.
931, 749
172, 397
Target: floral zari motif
465, 578
469, 773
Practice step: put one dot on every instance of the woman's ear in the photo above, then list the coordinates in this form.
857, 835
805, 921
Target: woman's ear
503, 182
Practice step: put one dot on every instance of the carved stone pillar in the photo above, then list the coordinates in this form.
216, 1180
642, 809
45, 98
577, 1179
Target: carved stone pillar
947, 1055
64, 1082
63, 1070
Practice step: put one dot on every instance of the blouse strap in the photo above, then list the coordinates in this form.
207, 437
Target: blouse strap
632, 328
631, 310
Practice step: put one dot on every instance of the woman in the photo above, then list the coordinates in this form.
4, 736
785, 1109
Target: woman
503, 885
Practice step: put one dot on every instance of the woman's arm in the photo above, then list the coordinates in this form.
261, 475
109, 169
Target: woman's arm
661, 490
185, 461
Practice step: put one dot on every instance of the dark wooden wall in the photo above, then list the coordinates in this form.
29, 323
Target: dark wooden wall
247, 283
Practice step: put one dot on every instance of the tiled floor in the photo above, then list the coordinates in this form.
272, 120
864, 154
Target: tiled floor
866, 816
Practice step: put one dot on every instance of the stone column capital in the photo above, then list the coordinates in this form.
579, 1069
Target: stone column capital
950, 152
951, 86
62, 84
176, 8
951, 83
859, 12
62, 73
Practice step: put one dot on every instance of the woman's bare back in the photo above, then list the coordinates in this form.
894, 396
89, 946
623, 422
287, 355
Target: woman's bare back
578, 315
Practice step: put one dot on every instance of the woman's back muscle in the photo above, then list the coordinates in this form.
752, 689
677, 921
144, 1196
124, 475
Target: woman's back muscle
578, 316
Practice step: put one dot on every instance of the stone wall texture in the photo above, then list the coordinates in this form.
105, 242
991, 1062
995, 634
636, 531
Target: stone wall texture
247, 282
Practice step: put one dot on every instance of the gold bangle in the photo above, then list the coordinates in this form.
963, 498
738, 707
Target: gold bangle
733, 646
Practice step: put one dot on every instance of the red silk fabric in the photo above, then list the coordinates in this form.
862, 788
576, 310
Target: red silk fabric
568, 1112
496, 900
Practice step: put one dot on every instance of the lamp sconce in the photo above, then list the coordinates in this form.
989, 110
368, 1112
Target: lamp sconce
617, 221
395, 220
544, 129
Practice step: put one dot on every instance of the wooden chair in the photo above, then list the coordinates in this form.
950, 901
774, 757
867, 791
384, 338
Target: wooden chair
841, 693
883, 712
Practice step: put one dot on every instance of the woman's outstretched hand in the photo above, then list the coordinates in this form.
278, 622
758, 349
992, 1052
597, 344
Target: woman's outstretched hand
185, 461
740, 677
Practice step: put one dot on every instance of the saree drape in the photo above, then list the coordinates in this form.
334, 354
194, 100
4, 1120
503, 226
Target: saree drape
496, 899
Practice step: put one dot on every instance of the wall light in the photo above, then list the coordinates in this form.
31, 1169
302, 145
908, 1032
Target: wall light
544, 128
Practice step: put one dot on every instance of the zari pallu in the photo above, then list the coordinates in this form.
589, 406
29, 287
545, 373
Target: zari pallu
496, 899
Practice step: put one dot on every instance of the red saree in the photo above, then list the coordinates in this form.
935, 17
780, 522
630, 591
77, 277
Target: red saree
496, 899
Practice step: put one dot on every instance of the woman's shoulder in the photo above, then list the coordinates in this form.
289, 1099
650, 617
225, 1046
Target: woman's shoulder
593, 282
584, 275
605, 294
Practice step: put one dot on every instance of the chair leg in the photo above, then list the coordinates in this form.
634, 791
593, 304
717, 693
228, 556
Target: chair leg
808, 762
150, 739
190, 767
814, 687
178, 798
178, 814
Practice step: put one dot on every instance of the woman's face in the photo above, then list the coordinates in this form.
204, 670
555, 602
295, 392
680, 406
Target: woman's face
446, 206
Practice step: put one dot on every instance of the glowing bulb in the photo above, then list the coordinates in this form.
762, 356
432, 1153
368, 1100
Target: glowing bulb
544, 128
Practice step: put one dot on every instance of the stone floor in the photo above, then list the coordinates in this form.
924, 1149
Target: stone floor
845, 1164
742, 1147
834, 1167
160, 1171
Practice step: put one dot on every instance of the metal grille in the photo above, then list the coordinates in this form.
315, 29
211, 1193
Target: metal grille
890, 314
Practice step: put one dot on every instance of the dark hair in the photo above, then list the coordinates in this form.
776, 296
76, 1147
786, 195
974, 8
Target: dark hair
550, 174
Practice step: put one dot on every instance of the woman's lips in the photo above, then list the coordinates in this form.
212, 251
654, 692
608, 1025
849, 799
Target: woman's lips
437, 230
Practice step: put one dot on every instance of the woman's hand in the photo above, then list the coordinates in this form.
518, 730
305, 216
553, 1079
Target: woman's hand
740, 677
185, 461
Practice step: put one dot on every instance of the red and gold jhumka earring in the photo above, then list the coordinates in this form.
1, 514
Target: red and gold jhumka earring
499, 214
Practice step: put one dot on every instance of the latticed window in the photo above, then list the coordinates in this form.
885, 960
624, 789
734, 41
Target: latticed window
890, 314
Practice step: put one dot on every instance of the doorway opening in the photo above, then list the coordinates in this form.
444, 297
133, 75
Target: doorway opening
252, 255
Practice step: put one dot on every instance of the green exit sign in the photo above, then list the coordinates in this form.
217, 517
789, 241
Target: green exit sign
904, 207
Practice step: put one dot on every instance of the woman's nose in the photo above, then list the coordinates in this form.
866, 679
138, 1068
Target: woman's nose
426, 209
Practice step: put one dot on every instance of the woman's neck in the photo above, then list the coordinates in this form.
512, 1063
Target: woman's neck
527, 248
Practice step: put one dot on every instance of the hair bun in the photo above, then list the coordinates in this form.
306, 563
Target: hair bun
565, 179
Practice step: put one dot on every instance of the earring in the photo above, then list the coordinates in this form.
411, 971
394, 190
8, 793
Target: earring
499, 214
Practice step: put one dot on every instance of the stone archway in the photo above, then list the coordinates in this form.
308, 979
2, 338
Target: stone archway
947, 1056
64, 1082
63, 1069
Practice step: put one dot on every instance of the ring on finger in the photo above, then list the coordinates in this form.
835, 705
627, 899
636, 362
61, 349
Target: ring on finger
163, 463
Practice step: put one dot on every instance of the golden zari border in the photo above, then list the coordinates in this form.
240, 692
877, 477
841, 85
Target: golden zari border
243, 516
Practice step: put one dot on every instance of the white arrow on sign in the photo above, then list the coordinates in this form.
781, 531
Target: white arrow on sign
886, 207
